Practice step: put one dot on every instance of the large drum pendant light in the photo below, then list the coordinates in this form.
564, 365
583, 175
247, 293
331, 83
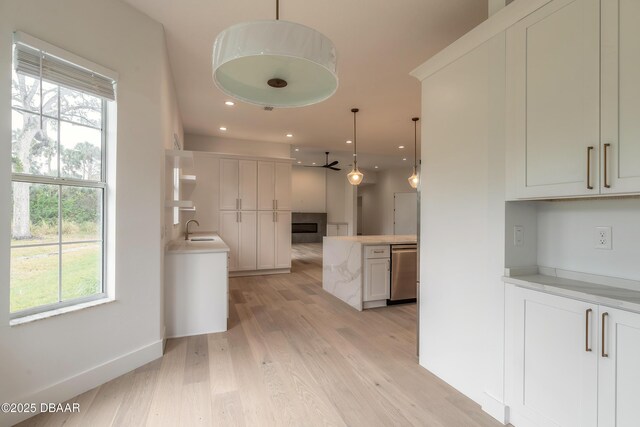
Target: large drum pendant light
275, 63
355, 176
413, 179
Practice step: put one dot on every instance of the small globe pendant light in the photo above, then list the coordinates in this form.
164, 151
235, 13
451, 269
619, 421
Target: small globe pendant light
413, 179
355, 177
275, 63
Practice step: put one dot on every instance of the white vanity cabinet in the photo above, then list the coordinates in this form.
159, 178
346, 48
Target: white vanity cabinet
570, 362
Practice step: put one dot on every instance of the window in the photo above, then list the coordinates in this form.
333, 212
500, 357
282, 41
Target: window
58, 183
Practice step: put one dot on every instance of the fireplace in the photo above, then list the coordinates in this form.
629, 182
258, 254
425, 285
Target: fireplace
308, 227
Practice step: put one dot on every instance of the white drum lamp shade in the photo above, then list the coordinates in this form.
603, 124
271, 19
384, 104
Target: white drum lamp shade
275, 63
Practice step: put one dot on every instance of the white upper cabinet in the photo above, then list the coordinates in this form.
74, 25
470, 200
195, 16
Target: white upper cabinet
553, 81
266, 186
274, 186
620, 167
238, 184
283, 186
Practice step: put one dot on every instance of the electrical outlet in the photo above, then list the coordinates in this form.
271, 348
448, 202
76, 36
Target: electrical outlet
518, 235
603, 238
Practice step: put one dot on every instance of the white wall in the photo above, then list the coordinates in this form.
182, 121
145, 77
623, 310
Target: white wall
341, 200
566, 236
309, 189
236, 146
378, 201
462, 224
56, 358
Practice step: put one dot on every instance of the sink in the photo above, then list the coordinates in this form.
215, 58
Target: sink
202, 239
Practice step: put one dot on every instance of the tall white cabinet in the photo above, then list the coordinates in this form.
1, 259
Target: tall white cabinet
573, 99
255, 213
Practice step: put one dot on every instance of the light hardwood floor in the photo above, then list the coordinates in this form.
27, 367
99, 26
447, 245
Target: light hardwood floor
293, 355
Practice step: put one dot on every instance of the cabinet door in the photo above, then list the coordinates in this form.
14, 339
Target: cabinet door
377, 282
229, 232
283, 186
247, 241
619, 369
266, 186
247, 185
266, 239
552, 361
283, 239
553, 81
332, 230
620, 96
229, 176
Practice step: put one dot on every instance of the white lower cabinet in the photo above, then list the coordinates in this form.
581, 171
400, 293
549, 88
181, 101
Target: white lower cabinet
619, 369
274, 240
377, 283
238, 230
560, 372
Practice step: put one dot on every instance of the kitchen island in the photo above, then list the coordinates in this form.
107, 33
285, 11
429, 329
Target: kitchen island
343, 267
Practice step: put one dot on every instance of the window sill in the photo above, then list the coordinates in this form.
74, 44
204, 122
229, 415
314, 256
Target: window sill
63, 310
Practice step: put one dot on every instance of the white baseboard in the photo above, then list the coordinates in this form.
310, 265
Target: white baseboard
84, 381
495, 408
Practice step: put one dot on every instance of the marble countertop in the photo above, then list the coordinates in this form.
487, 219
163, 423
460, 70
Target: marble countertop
181, 246
378, 240
622, 298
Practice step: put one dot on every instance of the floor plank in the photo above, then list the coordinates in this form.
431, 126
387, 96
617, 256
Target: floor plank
293, 356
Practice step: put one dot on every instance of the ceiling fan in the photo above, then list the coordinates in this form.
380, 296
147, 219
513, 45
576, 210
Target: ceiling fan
327, 164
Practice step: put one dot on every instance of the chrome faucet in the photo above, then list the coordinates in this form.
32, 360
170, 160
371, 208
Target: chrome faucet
186, 231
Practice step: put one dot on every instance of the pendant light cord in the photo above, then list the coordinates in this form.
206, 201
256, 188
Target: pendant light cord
355, 139
277, 10
415, 142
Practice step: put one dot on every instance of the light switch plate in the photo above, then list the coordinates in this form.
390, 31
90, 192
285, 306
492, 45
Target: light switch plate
518, 235
603, 238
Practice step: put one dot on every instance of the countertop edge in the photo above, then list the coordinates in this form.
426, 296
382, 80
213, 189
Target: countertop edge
574, 294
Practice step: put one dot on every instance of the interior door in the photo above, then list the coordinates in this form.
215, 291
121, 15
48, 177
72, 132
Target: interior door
620, 96
283, 186
553, 95
229, 232
283, 239
619, 369
247, 185
247, 238
552, 343
229, 176
266, 186
405, 213
266, 239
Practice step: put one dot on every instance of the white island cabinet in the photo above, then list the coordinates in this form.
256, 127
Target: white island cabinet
196, 286
356, 269
572, 350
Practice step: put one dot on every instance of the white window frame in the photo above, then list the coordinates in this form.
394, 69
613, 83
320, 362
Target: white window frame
59, 181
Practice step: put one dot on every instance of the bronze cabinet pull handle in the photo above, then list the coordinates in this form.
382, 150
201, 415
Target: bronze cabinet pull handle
606, 165
604, 317
588, 318
589, 150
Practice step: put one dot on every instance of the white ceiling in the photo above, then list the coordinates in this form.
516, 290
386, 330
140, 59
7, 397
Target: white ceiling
378, 44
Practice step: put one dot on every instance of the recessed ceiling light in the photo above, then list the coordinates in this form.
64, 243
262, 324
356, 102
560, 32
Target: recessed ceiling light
297, 149
289, 135
400, 146
314, 163
229, 103
299, 162
376, 166
222, 128
404, 158
349, 141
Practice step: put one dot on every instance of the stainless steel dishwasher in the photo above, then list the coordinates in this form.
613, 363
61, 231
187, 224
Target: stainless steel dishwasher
404, 273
